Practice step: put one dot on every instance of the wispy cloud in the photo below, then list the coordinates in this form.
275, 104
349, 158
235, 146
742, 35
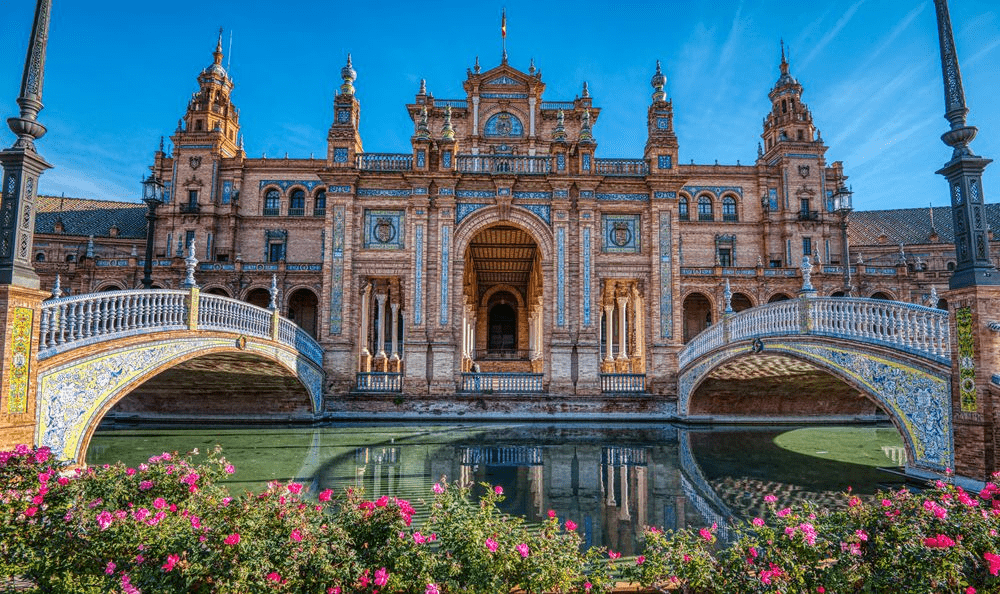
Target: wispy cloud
832, 33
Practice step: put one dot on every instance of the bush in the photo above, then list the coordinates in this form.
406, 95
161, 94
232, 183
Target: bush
167, 527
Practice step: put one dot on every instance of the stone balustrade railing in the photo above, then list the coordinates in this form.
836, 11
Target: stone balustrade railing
621, 167
385, 161
378, 381
623, 383
80, 320
915, 329
502, 456
503, 164
497, 382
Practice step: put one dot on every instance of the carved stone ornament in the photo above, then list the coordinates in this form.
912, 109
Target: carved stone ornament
385, 231
193, 182
621, 235
194, 162
804, 170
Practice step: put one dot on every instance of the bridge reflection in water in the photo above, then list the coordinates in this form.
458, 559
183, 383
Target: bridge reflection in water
610, 480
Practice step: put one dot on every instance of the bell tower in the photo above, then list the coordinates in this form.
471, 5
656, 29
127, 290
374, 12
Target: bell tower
211, 118
661, 143
790, 122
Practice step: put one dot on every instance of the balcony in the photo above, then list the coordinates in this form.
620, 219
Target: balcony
385, 162
623, 383
296, 212
271, 212
190, 208
510, 383
504, 355
319, 211
809, 215
621, 167
379, 382
501, 164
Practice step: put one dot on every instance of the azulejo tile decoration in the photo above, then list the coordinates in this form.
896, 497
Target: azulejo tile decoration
337, 273
20, 348
966, 360
620, 234
384, 229
666, 272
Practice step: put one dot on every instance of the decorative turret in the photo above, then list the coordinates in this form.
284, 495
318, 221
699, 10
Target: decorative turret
447, 132
344, 140
211, 118
559, 134
423, 132
661, 142
790, 120
586, 133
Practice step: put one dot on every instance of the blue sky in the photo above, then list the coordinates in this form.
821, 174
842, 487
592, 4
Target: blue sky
119, 77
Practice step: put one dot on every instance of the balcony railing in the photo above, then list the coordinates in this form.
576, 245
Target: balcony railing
808, 215
511, 456
621, 167
623, 383
504, 355
319, 211
190, 208
504, 164
517, 383
385, 161
377, 381
296, 212
271, 212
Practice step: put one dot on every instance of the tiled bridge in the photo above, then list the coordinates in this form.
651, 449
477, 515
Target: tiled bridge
94, 349
897, 354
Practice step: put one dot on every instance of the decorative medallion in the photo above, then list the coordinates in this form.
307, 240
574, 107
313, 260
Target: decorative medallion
241, 343
804, 170
194, 162
343, 116
621, 235
384, 230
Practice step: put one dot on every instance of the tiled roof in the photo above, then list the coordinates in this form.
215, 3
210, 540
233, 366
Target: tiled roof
83, 217
908, 225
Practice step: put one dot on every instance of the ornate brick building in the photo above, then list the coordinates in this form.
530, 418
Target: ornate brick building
502, 242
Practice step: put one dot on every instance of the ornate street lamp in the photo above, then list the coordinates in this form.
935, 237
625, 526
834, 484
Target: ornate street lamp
843, 207
152, 195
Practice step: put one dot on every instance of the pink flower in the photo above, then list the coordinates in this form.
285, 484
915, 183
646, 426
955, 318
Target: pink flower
970, 590
438, 488
784, 512
613, 555
994, 561
159, 503
333, 590
171, 561
382, 501
552, 513
587, 586
419, 538
294, 488
941, 541
758, 522
233, 538
861, 534
145, 485
706, 533
640, 559
230, 469
109, 569
274, 576
432, 589
886, 503
770, 499
570, 525
130, 471
296, 535
498, 490
104, 519
381, 577
523, 549
43, 477
326, 495
63, 480
491, 545
31, 511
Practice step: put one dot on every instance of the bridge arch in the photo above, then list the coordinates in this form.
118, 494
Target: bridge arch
898, 356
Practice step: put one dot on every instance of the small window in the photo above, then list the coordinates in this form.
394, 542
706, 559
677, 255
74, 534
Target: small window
71, 257
275, 252
682, 209
188, 238
297, 203
320, 203
774, 264
272, 202
807, 246
725, 257
39, 257
199, 125
192, 197
705, 208
784, 106
951, 266
729, 209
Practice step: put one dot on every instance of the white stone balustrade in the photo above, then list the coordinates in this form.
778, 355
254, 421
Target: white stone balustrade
72, 322
896, 325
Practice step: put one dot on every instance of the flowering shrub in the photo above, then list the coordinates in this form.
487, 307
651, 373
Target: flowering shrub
166, 527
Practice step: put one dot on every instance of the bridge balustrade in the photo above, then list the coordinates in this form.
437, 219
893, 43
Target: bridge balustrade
893, 324
71, 322
623, 383
379, 381
516, 383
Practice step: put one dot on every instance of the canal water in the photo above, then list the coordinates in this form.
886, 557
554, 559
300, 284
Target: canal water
610, 479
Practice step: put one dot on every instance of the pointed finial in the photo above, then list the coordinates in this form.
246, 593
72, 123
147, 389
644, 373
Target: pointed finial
349, 75
90, 247
586, 91
960, 134
531, 66
475, 67
586, 134
807, 287
218, 45
447, 132
26, 127
161, 144
930, 209
57, 288
189, 265
933, 300
423, 133
180, 124
559, 134
658, 82
727, 295
760, 150
423, 87
273, 305
784, 62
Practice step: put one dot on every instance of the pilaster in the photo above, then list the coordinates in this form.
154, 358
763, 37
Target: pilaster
21, 309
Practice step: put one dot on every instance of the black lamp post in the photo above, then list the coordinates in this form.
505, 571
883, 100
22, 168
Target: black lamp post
152, 195
843, 207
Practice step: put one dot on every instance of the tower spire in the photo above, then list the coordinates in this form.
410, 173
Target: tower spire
217, 54
503, 34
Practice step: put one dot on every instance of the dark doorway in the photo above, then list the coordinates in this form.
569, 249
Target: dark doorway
502, 338
302, 306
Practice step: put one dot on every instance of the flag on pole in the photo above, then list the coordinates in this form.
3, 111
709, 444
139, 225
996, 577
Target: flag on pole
503, 23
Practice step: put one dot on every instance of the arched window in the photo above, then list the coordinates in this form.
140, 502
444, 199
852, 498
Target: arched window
682, 209
40, 257
704, 208
729, 209
297, 203
272, 202
951, 266
71, 257
319, 209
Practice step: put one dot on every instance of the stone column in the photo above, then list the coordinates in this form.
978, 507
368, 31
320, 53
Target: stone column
380, 354
395, 331
623, 346
363, 338
531, 333
609, 350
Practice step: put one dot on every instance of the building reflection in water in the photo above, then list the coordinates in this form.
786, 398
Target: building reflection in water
377, 470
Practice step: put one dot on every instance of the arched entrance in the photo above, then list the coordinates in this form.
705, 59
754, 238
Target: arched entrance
697, 315
740, 302
258, 297
302, 307
778, 297
502, 317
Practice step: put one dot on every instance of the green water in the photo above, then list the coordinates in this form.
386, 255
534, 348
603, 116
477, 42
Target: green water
611, 479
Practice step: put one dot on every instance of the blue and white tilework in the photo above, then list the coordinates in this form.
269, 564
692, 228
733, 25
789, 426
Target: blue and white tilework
380, 192
561, 276
634, 197
384, 229
620, 234
284, 184
666, 275
418, 289
337, 272
445, 262
542, 211
586, 276
464, 209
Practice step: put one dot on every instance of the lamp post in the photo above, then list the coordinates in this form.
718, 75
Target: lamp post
843, 207
152, 195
